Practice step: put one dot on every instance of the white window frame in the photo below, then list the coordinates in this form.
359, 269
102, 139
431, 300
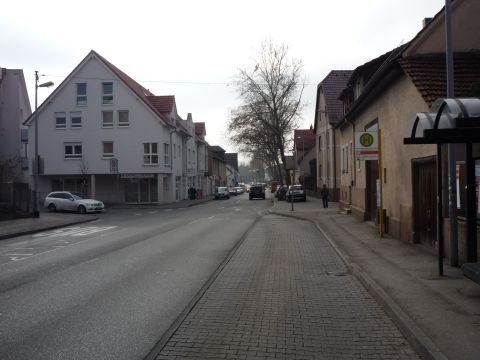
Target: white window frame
76, 114
166, 154
81, 98
150, 158
60, 115
75, 154
104, 124
107, 155
123, 124
107, 98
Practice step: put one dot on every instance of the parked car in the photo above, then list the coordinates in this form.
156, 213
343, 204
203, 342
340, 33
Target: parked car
232, 191
257, 192
298, 193
221, 192
71, 201
239, 190
281, 193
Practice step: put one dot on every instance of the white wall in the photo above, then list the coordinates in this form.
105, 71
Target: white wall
128, 147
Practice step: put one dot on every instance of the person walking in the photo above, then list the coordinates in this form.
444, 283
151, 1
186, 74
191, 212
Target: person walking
325, 194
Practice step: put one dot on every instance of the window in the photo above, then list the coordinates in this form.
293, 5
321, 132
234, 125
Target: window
319, 143
73, 150
107, 121
107, 91
60, 120
108, 149
174, 151
76, 119
82, 94
150, 154
123, 118
166, 157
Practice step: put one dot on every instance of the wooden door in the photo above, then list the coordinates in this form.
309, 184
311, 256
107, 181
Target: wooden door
424, 201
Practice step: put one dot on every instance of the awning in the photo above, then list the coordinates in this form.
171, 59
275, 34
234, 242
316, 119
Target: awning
449, 121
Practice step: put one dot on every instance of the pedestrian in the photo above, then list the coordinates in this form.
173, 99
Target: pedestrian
325, 194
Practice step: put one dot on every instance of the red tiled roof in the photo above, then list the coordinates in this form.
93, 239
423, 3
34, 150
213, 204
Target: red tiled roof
138, 89
428, 73
162, 103
200, 128
304, 137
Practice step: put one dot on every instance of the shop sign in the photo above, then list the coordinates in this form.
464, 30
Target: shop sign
137, 176
366, 145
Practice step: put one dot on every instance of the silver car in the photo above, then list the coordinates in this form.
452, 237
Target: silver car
71, 201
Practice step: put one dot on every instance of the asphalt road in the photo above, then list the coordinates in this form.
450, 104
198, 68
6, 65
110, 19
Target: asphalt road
109, 289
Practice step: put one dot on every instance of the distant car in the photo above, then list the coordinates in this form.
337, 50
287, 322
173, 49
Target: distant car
239, 190
221, 192
257, 192
297, 192
71, 201
281, 193
232, 191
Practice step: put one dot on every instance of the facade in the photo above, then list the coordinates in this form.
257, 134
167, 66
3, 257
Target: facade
304, 142
385, 94
103, 134
328, 111
14, 110
217, 167
233, 175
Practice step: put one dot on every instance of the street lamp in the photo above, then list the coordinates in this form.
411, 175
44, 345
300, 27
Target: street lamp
293, 180
36, 162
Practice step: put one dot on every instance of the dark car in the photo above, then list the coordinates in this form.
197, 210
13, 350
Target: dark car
221, 192
281, 193
257, 192
297, 192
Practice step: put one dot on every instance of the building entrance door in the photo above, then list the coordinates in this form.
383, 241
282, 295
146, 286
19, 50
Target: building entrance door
141, 190
424, 203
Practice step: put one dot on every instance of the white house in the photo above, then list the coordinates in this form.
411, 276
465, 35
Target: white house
14, 109
103, 134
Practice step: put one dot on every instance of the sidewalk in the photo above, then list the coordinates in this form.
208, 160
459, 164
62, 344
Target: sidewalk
440, 316
48, 221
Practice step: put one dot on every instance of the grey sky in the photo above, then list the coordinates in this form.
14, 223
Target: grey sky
192, 49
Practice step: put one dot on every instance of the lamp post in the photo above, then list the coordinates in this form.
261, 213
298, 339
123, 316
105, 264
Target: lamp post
293, 180
36, 162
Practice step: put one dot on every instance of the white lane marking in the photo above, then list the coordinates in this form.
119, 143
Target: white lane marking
75, 231
194, 221
138, 214
153, 212
18, 254
168, 210
16, 258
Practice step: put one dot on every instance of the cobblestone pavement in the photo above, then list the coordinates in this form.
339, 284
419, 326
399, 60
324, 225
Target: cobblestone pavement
285, 294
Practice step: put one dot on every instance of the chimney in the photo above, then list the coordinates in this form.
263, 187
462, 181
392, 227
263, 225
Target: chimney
189, 117
426, 21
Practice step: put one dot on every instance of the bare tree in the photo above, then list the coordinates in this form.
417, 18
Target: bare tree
271, 94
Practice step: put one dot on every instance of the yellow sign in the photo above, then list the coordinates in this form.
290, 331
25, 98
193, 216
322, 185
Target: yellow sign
366, 145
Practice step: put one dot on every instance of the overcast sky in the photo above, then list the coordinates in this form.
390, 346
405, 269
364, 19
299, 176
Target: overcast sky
193, 48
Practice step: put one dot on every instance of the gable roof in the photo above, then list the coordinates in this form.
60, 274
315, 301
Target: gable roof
131, 84
232, 160
332, 86
304, 138
164, 104
138, 89
428, 73
200, 128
